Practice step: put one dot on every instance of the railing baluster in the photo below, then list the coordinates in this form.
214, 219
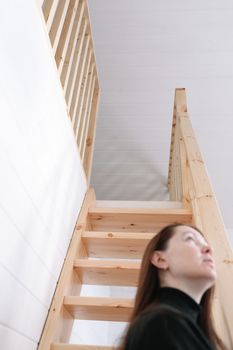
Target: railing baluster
66, 33
82, 87
79, 108
46, 7
52, 14
69, 30
65, 63
86, 120
79, 55
87, 160
58, 22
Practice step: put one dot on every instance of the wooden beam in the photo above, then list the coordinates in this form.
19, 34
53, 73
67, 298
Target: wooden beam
122, 245
108, 272
101, 309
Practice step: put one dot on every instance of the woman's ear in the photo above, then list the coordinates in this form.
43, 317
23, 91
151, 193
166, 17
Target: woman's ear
158, 259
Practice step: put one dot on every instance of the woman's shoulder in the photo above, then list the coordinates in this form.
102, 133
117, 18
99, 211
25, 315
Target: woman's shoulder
159, 314
164, 327
156, 327
160, 320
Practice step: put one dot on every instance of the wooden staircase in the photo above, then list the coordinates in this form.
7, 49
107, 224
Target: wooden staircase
110, 236
108, 243
121, 233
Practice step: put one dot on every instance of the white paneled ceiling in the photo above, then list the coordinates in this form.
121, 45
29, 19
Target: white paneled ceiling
144, 50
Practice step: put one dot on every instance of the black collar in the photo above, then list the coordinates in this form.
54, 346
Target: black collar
180, 301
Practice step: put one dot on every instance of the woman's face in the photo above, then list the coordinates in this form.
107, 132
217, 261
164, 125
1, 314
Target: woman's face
189, 256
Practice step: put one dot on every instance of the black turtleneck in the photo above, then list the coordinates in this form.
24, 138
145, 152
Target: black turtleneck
170, 324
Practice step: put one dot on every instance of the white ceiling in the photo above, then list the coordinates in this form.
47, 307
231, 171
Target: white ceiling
144, 50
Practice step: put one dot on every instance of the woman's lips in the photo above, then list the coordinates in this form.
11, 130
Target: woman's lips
209, 261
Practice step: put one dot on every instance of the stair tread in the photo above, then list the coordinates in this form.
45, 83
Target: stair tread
138, 204
139, 211
62, 346
99, 308
136, 219
119, 235
125, 245
108, 264
108, 272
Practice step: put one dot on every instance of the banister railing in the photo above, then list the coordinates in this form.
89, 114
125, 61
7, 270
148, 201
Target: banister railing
188, 181
69, 30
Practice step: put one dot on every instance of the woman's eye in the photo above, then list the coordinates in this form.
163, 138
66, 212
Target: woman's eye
188, 238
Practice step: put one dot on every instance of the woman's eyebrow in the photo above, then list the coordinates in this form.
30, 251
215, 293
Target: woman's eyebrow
186, 233
189, 232
198, 237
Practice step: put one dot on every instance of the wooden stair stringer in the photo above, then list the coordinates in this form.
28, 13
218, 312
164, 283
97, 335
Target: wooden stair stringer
59, 322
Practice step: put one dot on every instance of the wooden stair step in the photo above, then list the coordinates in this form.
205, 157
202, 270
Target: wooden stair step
108, 272
136, 219
124, 245
101, 309
62, 346
138, 204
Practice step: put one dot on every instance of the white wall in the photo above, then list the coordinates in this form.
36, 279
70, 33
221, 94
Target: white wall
144, 50
42, 184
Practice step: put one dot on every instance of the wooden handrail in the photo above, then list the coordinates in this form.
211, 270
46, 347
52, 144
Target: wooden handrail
188, 181
69, 31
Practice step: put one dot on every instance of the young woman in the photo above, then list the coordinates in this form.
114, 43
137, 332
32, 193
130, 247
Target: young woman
173, 302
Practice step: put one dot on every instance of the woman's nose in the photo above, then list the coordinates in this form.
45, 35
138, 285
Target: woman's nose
206, 249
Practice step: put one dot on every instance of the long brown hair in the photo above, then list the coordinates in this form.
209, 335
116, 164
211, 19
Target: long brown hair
149, 285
